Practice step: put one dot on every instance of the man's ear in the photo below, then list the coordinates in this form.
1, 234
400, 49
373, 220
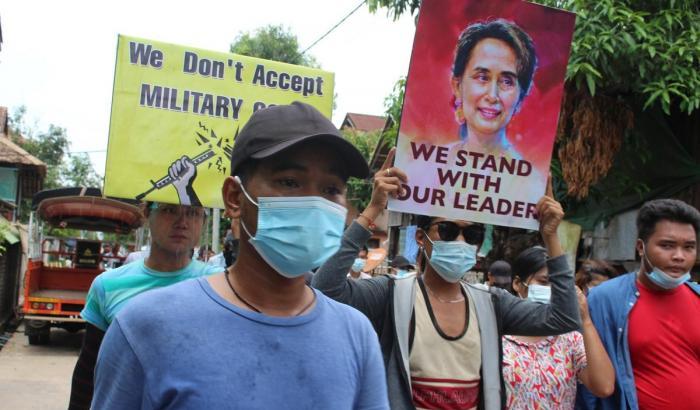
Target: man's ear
640, 248
420, 237
231, 193
517, 285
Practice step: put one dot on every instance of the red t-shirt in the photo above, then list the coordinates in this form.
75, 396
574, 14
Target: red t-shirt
664, 339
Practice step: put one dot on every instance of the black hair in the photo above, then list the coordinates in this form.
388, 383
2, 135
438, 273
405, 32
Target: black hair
529, 262
658, 210
423, 221
506, 31
500, 268
246, 169
584, 275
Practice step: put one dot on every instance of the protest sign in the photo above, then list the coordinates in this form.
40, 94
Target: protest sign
481, 109
176, 111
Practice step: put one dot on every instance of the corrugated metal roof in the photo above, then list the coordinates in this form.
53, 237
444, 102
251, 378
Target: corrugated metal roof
364, 122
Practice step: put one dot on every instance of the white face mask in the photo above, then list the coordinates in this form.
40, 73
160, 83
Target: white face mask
296, 234
358, 265
539, 293
452, 259
661, 278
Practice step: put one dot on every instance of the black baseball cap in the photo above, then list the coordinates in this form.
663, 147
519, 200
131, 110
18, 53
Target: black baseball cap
276, 128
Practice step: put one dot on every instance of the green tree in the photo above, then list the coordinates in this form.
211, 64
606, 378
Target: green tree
78, 171
394, 105
360, 190
51, 146
273, 43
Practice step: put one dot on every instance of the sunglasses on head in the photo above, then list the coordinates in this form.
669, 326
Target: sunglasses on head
449, 231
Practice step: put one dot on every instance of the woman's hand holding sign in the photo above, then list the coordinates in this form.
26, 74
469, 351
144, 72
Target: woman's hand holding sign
550, 215
387, 182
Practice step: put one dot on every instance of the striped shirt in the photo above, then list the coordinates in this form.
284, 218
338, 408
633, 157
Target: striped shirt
111, 290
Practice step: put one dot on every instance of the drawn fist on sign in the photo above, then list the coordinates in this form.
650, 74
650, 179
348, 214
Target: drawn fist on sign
183, 173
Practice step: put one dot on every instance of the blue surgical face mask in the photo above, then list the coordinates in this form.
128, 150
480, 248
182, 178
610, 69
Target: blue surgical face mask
400, 273
539, 293
358, 264
661, 278
296, 234
452, 259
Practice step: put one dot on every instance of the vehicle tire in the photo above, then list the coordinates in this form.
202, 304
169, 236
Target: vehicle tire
42, 338
74, 327
38, 332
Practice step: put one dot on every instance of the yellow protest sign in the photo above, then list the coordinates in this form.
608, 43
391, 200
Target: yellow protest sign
176, 112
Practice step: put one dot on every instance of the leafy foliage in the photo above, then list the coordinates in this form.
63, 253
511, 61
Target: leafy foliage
647, 48
51, 146
644, 48
394, 104
273, 43
395, 8
5, 229
360, 190
78, 171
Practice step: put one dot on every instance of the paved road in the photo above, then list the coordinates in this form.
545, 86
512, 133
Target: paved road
38, 377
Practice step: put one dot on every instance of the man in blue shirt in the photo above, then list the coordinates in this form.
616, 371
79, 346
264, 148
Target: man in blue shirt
649, 321
257, 336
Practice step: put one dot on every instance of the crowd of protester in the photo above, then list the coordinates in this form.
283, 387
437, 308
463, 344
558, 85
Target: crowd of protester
287, 316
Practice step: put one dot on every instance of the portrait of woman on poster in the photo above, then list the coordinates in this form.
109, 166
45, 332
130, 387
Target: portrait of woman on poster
493, 70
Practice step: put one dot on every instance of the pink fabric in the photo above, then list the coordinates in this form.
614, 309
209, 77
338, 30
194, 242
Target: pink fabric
543, 375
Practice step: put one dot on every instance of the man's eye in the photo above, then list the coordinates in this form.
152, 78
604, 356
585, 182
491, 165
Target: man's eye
333, 190
194, 213
288, 182
481, 77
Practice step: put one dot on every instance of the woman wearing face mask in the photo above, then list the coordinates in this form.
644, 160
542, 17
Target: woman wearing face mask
542, 372
440, 338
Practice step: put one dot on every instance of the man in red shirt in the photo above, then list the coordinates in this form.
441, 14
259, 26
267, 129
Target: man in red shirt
650, 320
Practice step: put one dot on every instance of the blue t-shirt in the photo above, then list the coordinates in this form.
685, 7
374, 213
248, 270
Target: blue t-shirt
111, 289
185, 347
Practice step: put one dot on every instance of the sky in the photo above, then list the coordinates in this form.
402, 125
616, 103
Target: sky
58, 57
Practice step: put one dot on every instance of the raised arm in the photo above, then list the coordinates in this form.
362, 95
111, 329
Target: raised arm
598, 375
370, 295
561, 315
